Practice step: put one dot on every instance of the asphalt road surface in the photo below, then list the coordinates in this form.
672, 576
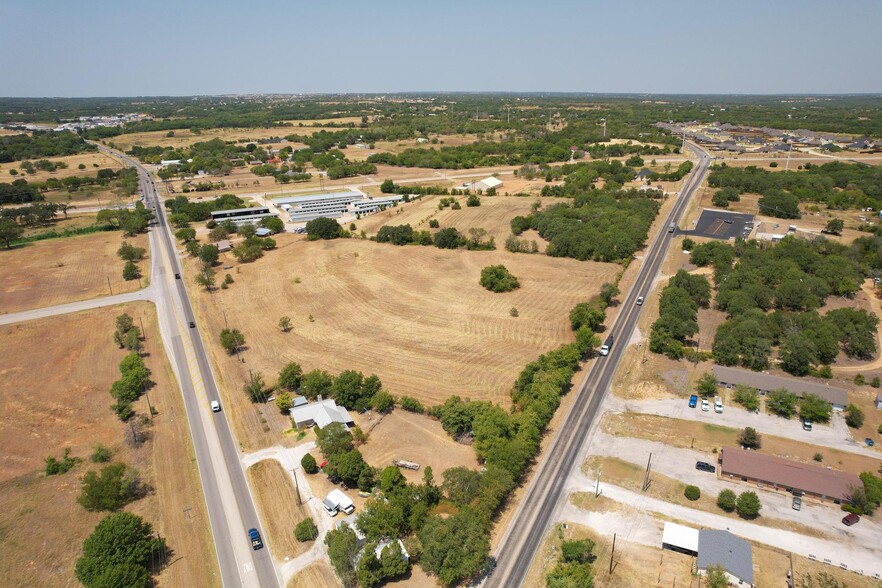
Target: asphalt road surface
230, 507
545, 493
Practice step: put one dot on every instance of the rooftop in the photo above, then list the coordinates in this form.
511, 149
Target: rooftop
763, 381
787, 473
722, 548
322, 413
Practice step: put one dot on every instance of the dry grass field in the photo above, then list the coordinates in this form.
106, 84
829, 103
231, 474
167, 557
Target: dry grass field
317, 575
494, 215
41, 524
72, 161
416, 438
55, 271
415, 316
680, 432
276, 502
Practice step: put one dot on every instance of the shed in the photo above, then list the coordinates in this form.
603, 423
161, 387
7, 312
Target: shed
263, 232
487, 183
680, 538
733, 554
224, 245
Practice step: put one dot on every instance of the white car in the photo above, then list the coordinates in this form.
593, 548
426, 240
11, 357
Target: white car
215, 406
640, 301
705, 406
718, 405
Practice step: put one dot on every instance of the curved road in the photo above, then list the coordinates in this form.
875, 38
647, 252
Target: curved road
228, 499
546, 491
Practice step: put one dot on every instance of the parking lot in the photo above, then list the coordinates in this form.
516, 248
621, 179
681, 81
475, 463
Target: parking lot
718, 224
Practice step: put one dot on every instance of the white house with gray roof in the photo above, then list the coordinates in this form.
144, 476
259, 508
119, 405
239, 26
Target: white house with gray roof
320, 414
733, 554
731, 377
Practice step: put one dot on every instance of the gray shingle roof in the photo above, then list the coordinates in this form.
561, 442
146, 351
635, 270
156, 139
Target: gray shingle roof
762, 381
724, 549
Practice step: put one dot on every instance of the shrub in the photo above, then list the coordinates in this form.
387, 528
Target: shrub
726, 500
434, 224
707, 385
473, 201
112, 488
747, 397
819, 457
692, 493
514, 312
749, 438
875, 383
411, 405
306, 530
382, 401
55, 466
323, 228
497, 278
859, 380
578, 551
854, 416
748, 505
307, 462
101, 454
120, 552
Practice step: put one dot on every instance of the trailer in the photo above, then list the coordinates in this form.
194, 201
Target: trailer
405, 464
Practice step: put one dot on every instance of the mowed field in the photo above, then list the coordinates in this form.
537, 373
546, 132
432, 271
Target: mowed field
494, 215
56, 271
415, 316
66, 405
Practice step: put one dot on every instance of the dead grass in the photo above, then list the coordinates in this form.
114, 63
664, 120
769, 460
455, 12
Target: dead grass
628, 475
41, 524
588, 501
416, 438
55, 271
276, 501
415, 316
707, 437
72, 161
770, 565
317, 575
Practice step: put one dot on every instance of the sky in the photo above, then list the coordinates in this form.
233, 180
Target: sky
189, 47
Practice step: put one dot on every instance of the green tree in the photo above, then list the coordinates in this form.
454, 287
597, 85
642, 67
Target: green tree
205, 277
391, 480
454, 548
9, 232
131, 271
342, 549
121, 540
608, 292
579, 551
285, 324
347, 388
707, 385
255, 389
333, 439
290, 376
834, 226
716, 577
749, 438
726, 500
273, 223
692, 492
209, 254
448, 238
111, 489
284, 402
323, 228
815, 408
473, 200
854, 416
393, 562
307, 462
185, 235
306, 530
100, 454
748, 505
369, 572
382, 401
586, 314
387, 187
747, 397
232, 340
128, 252
781, 403
570, 575
316, 383
497, 278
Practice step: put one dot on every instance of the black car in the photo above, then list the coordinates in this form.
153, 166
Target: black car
705, 467
177, 276
192, 325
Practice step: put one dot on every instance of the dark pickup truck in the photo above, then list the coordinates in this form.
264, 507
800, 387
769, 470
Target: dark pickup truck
256, 543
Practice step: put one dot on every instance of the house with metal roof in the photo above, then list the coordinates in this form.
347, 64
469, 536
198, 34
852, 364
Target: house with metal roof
680, 538
723, 549
777, 473
731, 377
320, 414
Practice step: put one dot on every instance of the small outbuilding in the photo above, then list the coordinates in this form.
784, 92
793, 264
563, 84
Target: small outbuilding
487, 183
680, 538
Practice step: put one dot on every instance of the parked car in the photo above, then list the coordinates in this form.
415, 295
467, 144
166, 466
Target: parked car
869, 442
693, 401
256, 542
806, 425
640, 301
705, 405
215, 406
850, 519
718, 405
705, 467
797, 503
177, 276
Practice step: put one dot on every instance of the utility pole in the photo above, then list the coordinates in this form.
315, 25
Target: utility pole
143, 332
108, 285
612, 554
297, 487
597, 488
646, 475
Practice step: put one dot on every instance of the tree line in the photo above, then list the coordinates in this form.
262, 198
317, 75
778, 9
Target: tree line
42, 144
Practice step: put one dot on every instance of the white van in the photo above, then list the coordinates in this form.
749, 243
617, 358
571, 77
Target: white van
718, 405
337, 501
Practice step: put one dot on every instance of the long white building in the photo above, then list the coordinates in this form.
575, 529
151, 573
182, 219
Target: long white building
332, 205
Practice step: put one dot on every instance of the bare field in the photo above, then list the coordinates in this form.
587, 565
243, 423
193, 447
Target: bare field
276, 502
416, 438
494, 215
415, 316
72, 161
55, 271
317, 575
42, 525
680, 432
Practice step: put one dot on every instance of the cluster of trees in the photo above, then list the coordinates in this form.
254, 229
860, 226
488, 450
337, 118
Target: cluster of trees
283, 174
37, 214
19, 191
345, 464
602, 150
130, 254
678, 313
497, 278
123, 550
746, 504
838, 185
581, 177
793, 278
33, 167
324, 228
130, 222
784, 403
865, 500
183, 210
446, 238
115, 486
574, 567
350, 388
600, 225
134, 379
42, 144
724, 196
55, 466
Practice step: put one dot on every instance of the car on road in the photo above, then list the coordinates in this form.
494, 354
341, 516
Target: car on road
177, 276
869, 442
850, 519
192, 325
693, 401
215, 406
705, 405
640, 301
806, 425
256, 542
718, 405
705, 467
797, 503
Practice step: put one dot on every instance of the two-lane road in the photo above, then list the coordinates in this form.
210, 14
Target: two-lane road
545, 494
230, 507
